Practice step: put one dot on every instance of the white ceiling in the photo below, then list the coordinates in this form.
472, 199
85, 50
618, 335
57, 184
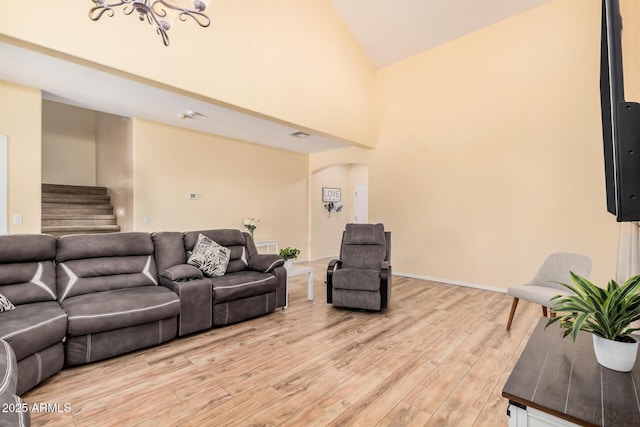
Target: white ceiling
388, 30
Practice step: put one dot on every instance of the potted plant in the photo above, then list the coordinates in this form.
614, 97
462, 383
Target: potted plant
289, 254
607, 314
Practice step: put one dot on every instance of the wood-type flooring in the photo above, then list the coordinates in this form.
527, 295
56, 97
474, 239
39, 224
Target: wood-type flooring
438, 357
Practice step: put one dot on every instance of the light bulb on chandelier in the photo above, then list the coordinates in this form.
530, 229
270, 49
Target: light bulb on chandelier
160, 13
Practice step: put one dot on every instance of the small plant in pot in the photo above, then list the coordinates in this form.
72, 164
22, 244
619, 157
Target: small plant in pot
607, 314
289, 254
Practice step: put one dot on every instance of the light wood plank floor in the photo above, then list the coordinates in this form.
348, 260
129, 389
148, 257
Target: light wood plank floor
438, 357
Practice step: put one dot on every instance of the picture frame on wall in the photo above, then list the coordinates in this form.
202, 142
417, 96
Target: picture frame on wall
330, 194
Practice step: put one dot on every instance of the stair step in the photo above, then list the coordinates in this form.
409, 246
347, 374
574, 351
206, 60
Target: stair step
57, 209
81, 199
77, 209
58, 231
73, 189
53, 220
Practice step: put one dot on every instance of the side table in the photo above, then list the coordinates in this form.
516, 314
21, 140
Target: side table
297, 270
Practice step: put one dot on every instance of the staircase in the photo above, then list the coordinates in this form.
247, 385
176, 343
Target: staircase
74, 209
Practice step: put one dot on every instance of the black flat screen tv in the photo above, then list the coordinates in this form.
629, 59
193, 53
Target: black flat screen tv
620, 122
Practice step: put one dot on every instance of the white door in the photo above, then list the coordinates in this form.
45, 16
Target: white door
361, 204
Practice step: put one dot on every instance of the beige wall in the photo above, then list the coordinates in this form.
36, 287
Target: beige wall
114, 164
327, 228
490, 151
630, 10
489, 147
291, 60
68, 144
20, 118
233, 179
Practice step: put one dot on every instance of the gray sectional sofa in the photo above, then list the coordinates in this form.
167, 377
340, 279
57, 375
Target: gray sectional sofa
84, 298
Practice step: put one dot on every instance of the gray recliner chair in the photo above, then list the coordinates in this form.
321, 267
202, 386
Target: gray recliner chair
361, 278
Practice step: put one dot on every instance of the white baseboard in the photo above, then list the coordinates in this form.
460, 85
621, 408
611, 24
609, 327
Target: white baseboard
328, 258
430, 278
452, 282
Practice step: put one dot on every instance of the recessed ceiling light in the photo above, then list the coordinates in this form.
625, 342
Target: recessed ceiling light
189, 114
299, 134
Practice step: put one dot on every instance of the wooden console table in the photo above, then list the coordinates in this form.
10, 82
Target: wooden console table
558, 383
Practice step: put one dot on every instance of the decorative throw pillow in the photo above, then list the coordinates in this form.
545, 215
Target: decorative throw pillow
5, 304
211, 258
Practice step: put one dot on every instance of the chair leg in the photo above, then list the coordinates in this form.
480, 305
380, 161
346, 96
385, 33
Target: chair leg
544, 311
514, 304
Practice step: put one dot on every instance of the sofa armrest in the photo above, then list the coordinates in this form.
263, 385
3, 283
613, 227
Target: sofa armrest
333, 265
265, 263
385, 285
181, 273
281, 287
196, 303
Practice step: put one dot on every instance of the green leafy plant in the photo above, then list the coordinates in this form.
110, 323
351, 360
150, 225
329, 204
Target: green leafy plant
289, 253
607, 313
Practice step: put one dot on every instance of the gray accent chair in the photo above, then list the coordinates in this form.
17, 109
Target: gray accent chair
361, 277
545, 285
253, 285
13, 410
107, 284
35, 329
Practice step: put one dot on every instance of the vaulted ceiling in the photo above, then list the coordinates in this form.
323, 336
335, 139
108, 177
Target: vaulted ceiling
387, 30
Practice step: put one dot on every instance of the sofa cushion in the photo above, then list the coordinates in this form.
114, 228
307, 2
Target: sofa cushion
82, 246
27, 274
357, 279
363, 246
209, 256
168, 249
241, 285
88, 263
5, 304
86, 276
33, 327
27, 282
120, 308
21, 248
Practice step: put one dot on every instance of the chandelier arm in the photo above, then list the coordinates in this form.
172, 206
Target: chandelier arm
195, 14
202, 19
163, 33
160, 29
100, 9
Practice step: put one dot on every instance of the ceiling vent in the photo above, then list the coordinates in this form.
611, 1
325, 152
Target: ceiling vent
299, 134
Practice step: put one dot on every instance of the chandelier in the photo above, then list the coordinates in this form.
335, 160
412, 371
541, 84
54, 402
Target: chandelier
160, 13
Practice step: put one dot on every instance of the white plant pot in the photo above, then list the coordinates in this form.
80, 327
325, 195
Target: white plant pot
288, 263
616, 355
